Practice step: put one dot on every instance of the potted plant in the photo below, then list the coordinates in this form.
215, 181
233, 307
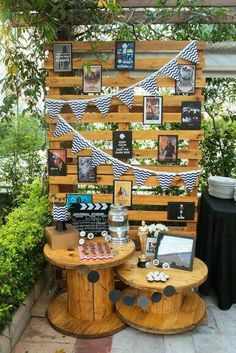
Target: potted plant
153, 231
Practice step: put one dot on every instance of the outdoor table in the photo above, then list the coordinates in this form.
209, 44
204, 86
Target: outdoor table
85, 310
174, 312
216, 246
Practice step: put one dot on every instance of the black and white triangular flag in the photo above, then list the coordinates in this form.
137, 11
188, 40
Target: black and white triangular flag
60, 213
79, 144
189, 179
127, 96
119, 168
62, 128
141, 176
103, 104
190, 53
78, 107
54, 107
165, 180
98, 157
149, 84
171, 70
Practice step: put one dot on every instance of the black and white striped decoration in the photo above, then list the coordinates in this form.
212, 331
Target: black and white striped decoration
53, 107
165, 180
149, 84
190, 179
62, 128
98, 157
190, 53
141, 176
103, 104
127, 96
119, 168
171, 70
78, 107
79, 144
60, 213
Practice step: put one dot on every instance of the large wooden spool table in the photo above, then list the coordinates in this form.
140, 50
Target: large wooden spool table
86, 310
174, 314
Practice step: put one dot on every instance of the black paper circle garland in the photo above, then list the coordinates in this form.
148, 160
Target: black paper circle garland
93, 276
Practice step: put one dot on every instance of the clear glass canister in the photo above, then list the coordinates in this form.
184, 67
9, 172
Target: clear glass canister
118, 224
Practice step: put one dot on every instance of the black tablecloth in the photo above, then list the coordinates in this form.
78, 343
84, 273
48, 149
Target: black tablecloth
216, 246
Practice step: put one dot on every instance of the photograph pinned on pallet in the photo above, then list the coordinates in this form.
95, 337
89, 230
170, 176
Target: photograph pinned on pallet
176, 250
191, 116
168, 148
122, 144
57, 165
72, 200
124, 56
187, 79
92, 78
182, 211
62, 57
152, 110
86, 173
122, 192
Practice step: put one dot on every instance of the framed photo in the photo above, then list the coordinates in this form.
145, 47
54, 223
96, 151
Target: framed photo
86, 173
122, 192
57, 162
176, 250
92, 79
62, 57
124, 56
186, 84
191, 116
122, 144
152, 110
75, 199
180, 210
168, 148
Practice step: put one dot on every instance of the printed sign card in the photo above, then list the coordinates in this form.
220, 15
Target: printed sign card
122, 144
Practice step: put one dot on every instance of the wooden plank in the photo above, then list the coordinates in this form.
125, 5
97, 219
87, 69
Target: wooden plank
115, 81
137, 135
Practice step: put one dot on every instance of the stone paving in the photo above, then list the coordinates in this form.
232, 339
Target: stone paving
217, 335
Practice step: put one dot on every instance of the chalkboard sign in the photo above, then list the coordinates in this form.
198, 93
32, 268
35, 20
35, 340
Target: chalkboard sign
90, 217
180, 210
122, 144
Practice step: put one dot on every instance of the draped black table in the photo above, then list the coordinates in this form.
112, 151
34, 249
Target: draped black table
216, 246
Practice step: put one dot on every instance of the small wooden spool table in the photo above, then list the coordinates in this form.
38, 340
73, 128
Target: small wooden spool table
86, 310
177, 313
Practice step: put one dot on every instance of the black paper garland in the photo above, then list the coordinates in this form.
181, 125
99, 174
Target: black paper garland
156, 297
93, 276
128, 300
169, 291
142, 301
115, 295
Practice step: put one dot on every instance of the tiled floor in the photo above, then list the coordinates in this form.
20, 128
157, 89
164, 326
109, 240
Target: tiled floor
217, 336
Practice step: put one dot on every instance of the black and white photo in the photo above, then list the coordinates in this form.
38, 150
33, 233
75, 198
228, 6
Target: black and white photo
181, 211
187, 78
191, 116
92, 79
62, 57
152, 110
86, 173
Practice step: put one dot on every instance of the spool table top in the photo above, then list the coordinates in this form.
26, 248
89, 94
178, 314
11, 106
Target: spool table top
135, 277
70, 259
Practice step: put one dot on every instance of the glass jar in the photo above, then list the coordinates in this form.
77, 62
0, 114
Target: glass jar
118, 224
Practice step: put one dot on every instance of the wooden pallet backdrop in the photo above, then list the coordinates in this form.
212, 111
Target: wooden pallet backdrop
150, 56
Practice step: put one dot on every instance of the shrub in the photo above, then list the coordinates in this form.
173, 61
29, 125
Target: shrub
21, 245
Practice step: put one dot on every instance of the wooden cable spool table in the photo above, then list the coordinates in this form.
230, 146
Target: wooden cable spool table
86, 310
177, 313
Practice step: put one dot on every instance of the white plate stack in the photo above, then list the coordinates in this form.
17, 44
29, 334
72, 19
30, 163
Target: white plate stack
221, 187
235, 194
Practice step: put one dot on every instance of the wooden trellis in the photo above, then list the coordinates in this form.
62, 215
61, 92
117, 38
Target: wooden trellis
150, 56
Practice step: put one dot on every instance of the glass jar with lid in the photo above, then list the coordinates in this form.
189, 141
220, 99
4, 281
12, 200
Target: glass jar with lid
118, 224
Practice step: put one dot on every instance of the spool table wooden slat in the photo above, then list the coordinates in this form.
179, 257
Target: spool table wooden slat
86, 310
177, 313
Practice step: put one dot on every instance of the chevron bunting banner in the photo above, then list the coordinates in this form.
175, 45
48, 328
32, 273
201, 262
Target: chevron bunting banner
79, 144
78, 107
150, 85
141, 176
190, 53
127, 96
62, 128
60, 213
171, 70
103, 104
189, 179
165, 180
119, 168
98, 157
54, 107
